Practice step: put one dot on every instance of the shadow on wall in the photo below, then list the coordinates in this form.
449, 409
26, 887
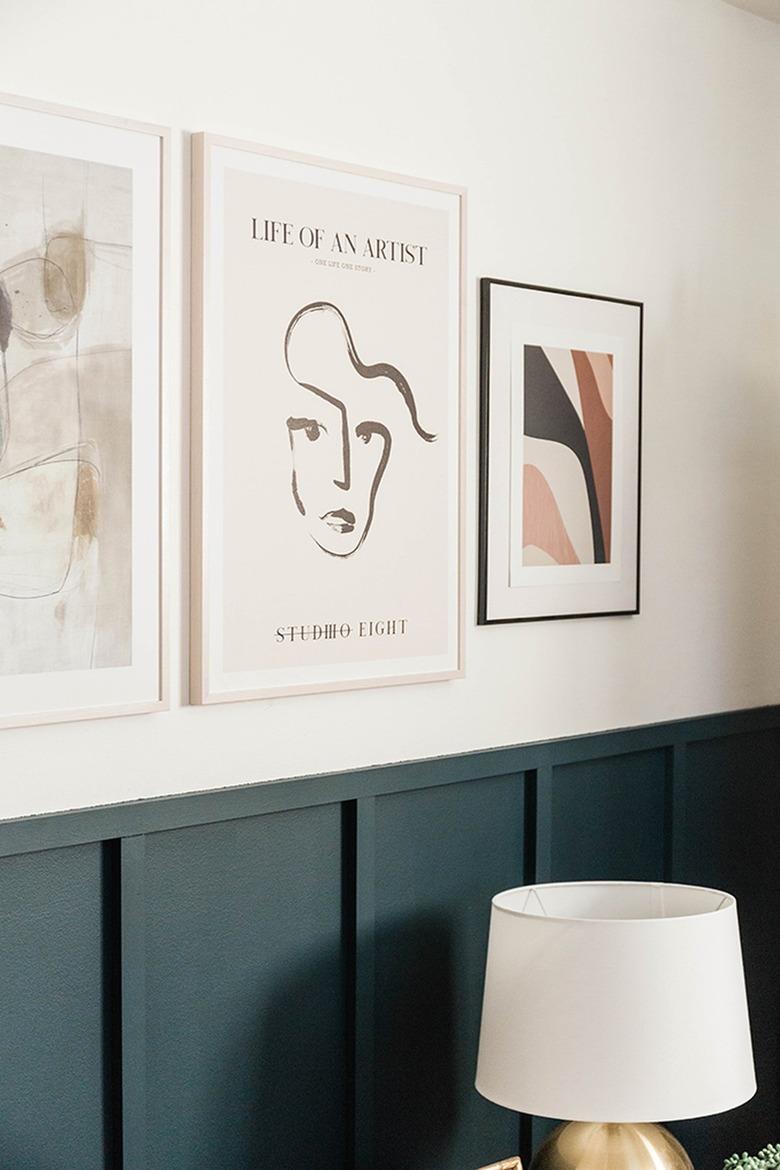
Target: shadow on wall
728, 577
730, 842
280, 1094
277, 1088
424, 1062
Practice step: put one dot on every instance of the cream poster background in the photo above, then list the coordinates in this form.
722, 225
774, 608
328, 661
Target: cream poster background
338, 451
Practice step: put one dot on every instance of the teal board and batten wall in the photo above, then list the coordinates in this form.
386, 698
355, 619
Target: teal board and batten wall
290, 974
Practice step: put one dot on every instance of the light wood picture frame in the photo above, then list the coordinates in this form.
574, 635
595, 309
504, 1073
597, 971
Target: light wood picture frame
82, 446
327, 425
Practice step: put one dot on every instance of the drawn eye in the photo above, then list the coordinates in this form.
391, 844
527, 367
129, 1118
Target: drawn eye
365, 431
311, 428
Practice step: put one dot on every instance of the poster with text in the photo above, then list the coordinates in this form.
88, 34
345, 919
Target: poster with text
328, 430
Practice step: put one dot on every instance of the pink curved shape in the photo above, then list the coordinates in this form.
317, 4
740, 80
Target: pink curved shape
601, 364
543, 524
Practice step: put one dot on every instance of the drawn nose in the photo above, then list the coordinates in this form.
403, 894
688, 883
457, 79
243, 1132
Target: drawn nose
346, 477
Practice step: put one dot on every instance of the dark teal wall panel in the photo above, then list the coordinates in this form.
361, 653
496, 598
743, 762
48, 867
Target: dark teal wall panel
606, 819
56, 1036
727, 836
246, 995
301, 962
440, 856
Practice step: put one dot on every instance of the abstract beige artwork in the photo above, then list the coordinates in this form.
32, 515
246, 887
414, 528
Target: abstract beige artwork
65, 413
82, 244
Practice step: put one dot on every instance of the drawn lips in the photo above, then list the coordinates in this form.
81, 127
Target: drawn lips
340, 521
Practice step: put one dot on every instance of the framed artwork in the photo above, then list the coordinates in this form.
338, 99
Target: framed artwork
81, 239
327, 425
561, 378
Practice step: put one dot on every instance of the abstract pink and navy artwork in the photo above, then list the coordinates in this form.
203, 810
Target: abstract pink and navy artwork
560, 456
567, 456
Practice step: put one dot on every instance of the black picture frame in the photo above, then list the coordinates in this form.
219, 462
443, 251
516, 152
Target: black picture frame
487, 285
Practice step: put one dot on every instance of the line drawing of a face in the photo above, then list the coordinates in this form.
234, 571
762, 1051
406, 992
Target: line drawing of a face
339, 456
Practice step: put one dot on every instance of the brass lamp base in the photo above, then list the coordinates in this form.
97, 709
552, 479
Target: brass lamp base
585, 1145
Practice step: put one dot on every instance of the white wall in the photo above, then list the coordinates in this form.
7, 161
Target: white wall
626, 147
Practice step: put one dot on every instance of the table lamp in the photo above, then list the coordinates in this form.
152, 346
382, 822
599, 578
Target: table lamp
614, 1005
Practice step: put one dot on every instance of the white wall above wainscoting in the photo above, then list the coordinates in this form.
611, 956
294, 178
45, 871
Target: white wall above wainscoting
621, 147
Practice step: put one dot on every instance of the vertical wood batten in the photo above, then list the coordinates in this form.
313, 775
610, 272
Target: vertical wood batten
534, 1129
543, 840
133, 970
532, 836
674, 811
365, 972
112, 1003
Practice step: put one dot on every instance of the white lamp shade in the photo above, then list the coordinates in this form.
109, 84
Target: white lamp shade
615, 1001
